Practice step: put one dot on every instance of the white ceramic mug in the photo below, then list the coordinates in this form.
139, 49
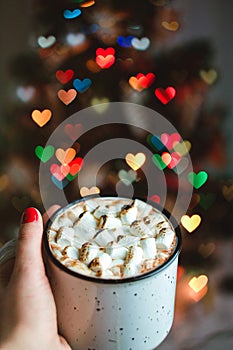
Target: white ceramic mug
134, 313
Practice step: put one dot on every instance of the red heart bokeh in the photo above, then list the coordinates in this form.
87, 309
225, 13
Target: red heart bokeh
165, 95
64, 76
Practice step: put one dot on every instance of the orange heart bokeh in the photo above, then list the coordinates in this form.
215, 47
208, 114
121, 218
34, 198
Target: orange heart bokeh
41, 118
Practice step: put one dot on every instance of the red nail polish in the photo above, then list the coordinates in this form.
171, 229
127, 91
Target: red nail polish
30, 215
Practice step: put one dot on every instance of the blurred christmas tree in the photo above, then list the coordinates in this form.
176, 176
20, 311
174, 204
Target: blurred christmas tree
63, 44
84, 53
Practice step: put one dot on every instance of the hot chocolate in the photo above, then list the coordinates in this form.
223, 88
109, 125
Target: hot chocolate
111, 237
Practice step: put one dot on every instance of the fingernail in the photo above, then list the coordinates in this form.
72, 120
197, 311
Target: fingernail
30, 215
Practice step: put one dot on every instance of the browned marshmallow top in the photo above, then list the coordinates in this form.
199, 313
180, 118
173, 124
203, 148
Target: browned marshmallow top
111, 237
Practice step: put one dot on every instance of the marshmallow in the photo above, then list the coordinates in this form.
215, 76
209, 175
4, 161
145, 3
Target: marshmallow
119, 232
87, 253
86, 219
153, 220
79, 267
57, 253
140, 229
109, 222
114, 209
90, 205
128, 215
134, 255
102, 238
111, 238
71, 252
77, 210
101, 262
164, 239
117, 271
100, 211
62, 242
62, 220
116, 251
85, 227
51, 235
127, 241
143, 208
148, 246
117, 262
105, 273
65, 233
132, 260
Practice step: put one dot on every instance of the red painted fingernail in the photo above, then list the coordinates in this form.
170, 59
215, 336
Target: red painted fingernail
30, 215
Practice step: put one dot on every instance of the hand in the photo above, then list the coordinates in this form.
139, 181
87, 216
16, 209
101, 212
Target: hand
28, 312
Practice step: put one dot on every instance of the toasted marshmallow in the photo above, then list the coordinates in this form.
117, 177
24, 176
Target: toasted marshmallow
164, 240
87, 253
116, 251
65, 233
129, 270
117, 262
57, 253
62, 220
143, 208
77, 210
153, 220
127, 241
101, 262
86, 219
128, 215
119, 232
134, 255
105, 273
90, 205
71, 252
51, 235
132, 260
62, 243
80, 267
85, 227
140, 229
148, 246
103, 237
109, 222
111, 238
100, 211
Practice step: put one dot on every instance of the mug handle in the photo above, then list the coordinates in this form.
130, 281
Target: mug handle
8, 251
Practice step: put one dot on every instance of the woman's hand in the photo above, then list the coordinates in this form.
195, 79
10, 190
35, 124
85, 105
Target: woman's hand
28, 319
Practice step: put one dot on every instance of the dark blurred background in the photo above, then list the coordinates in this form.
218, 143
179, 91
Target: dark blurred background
190, 49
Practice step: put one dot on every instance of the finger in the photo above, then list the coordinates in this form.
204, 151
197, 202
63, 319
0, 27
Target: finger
64, 343
28, 252
47, 215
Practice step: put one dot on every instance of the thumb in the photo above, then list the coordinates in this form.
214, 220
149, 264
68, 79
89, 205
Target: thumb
29, 252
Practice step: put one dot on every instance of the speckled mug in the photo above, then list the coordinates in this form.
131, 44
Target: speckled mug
134, 313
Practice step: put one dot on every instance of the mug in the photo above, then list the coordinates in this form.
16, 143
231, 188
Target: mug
114, 314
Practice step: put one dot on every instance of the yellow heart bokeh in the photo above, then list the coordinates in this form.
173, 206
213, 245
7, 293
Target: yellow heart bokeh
100, 104
209, 76
85, 191
198, 283
182, 148
135, 161
190, 223
41, 118
172, 26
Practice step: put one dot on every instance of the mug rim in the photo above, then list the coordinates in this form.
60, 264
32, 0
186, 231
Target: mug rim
100, 280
